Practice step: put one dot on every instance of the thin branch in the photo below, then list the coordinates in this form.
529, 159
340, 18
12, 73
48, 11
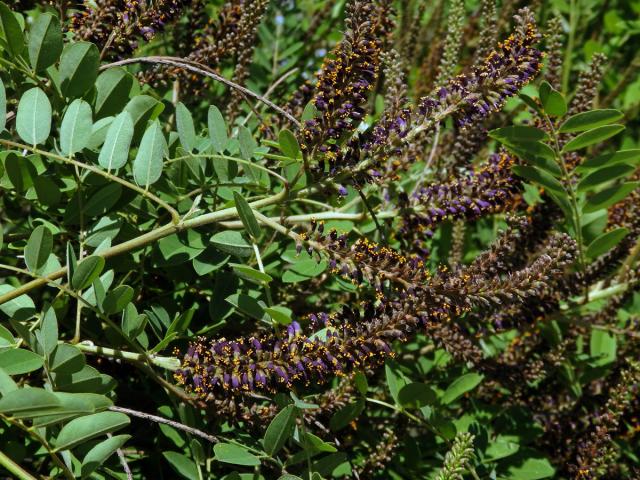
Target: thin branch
146, 239
14, 468
123, 461
373, 215
166, 421
202, 70
145, 193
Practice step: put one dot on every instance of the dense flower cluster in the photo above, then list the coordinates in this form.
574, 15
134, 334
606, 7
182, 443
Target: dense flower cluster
485, 190
117, 25
347, 78
354, 339
484, 90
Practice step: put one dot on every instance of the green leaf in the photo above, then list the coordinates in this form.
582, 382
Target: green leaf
17, 361
38, 248
281, 315
217, 129
541, 177
631, 157
460, 386
591, 119
248, 144
552, 101
45, 41
395, 381
604, 175
12, 31
606, 242
19, 308
247, 216
186, 129
538, 154
117, 299
87, 271
251, 274
346, 414
247, 305
609, 196
182, 464
100, 453
289, 144
416, 395
142, 108
500, 449
75, 130
591, 137
531, 469
603, 346
147, 166
28, 400
280, 429
78, 68
82, 429
531, 102
66, 359
231, 242
6, 383
112, 92
516, 134
33, 120
115, 151
3, 110
6, 338
234, 454
48, 337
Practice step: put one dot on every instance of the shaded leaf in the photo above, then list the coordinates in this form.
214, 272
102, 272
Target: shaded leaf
280, 429
78, 68
609, 196
247, 216
45, 41
38, 248
87, 271
101, 452
460, 386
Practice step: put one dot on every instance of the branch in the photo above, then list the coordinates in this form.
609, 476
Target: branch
166, 421
202, 70
146, 239
114, 178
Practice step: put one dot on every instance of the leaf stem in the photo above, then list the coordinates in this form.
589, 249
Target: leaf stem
146, 239
14, 468
145, 193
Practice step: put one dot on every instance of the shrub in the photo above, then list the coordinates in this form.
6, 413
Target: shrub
355, 239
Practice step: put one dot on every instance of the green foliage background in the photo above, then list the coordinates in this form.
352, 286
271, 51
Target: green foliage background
139, 211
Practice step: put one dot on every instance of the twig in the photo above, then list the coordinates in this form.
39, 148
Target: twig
14, 468
202, 70
373, 215
166, 421
123, 461
144, 240
114, 178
